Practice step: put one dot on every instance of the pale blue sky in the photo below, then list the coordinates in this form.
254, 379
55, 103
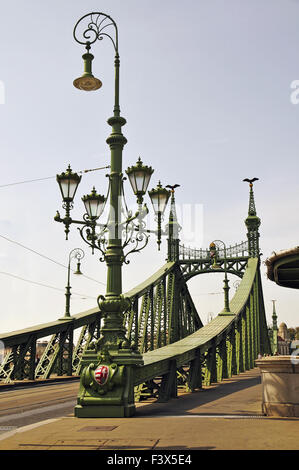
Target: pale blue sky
205, 89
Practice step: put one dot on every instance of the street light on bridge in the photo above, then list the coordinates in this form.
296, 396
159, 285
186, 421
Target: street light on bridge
111, 362
214, 250
77, 254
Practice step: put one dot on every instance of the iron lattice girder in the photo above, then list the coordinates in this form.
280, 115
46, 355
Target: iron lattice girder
227, 344
6, 366
46, 362
229, 338
88, 333
162, 310
20, 360
193, 267
23, 362
167, 313
59, 353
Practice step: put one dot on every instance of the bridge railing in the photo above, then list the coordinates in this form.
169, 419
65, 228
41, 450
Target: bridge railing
232, 251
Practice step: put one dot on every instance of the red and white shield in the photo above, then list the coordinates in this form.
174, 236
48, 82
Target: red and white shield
101, 374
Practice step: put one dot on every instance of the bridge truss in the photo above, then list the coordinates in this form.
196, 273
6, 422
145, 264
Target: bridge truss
177, 349
162, 321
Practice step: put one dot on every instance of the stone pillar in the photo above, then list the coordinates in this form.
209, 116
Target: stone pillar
280, 385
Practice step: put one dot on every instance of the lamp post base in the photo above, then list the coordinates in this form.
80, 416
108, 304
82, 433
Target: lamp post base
107, 384
106, 411
226, 312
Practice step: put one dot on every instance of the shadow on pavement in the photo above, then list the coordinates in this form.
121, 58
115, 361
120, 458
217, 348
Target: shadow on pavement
189, 401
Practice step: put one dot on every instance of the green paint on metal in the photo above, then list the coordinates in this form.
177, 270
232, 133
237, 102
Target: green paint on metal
155, 362
177, 349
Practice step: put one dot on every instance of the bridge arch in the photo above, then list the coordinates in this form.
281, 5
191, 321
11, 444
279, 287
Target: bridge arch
198, 261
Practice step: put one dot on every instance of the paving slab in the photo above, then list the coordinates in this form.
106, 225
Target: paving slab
225, 416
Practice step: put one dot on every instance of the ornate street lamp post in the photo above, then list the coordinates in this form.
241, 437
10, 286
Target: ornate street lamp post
214, 249
77, 254
106, 387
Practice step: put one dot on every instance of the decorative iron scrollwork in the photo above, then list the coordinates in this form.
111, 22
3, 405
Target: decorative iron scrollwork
97, 23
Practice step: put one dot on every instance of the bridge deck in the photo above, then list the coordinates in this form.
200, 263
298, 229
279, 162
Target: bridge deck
224, 416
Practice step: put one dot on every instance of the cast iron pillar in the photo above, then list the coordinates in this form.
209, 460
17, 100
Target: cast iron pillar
106, 386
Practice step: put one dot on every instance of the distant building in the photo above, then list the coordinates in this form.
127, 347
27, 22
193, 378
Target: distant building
284, 341
279, 337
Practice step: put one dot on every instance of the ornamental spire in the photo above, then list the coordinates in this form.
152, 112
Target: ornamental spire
173, 228
274, 316
173, 215
252, 223
251, 209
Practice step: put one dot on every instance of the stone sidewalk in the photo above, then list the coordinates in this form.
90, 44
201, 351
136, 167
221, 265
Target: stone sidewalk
225, 416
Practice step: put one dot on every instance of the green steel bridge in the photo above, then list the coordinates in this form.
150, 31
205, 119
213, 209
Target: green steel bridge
162, 321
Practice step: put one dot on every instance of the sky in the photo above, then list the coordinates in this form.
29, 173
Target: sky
207, 89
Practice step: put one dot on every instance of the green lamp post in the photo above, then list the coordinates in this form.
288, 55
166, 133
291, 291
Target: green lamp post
77, 254
106, 385
214, 249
